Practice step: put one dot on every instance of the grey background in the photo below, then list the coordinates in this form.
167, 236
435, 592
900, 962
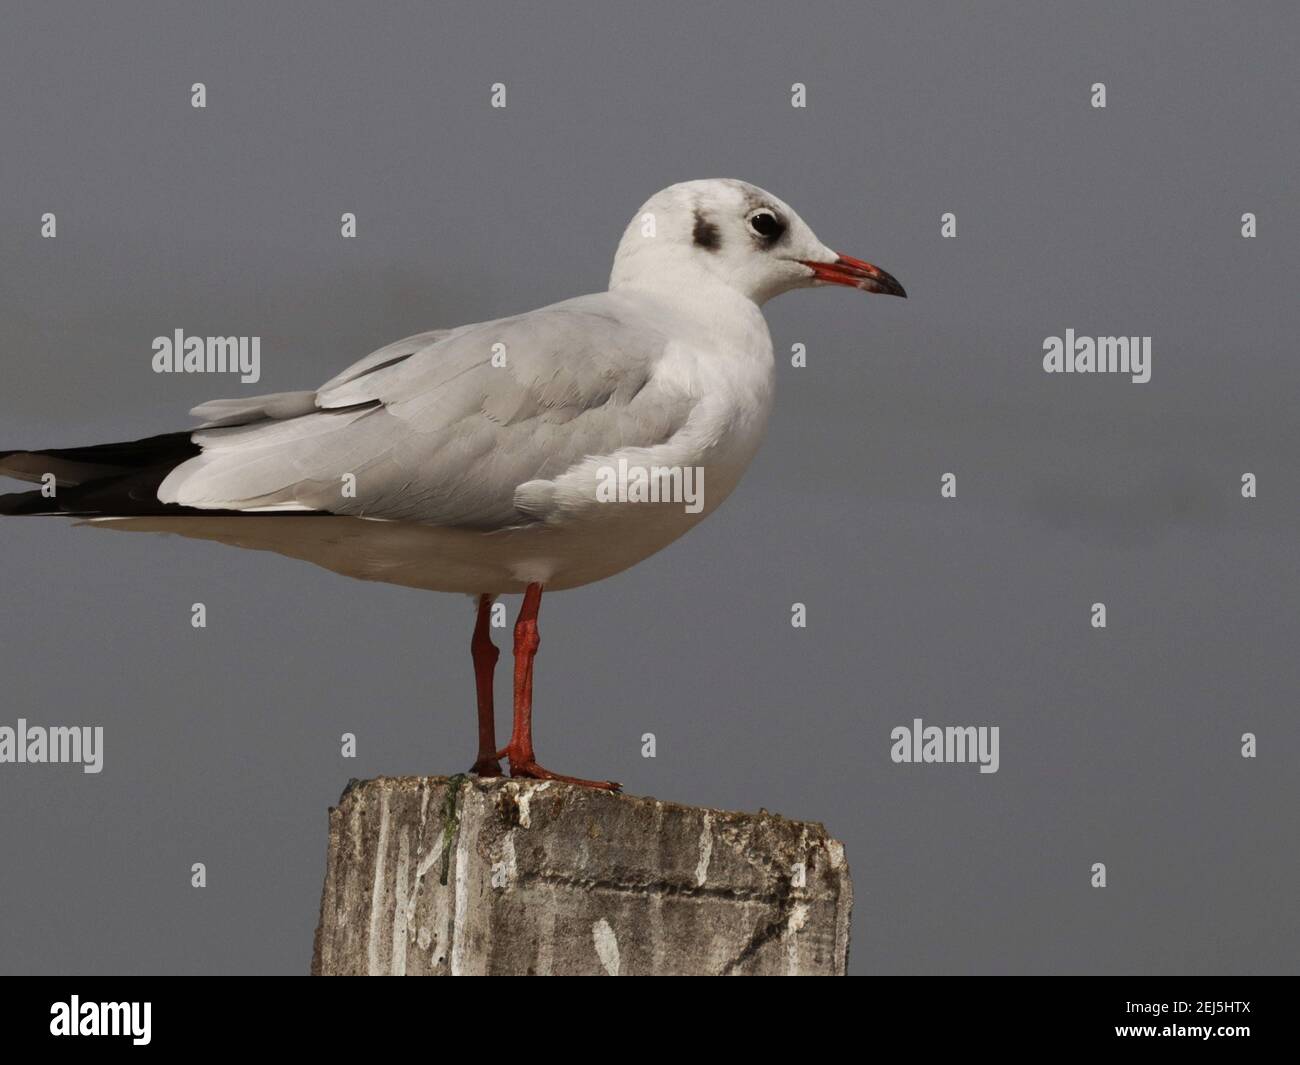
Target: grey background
1119, 746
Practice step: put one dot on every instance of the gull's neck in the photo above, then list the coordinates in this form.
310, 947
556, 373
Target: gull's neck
691, 294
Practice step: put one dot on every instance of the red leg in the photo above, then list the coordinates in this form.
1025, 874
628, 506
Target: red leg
523, 762
485, 655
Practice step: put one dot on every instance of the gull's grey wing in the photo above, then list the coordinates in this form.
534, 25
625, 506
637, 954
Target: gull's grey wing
445, 433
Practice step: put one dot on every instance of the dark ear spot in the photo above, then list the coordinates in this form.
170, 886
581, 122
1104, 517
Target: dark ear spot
706, 233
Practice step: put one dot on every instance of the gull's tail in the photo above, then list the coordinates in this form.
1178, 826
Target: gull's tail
102, 480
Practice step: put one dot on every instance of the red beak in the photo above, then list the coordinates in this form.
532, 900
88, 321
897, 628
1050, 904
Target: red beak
855, 273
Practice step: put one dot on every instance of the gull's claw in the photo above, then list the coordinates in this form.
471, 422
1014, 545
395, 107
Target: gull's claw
532, 771
487, 767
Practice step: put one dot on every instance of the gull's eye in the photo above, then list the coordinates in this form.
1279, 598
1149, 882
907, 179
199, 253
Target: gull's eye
765, 224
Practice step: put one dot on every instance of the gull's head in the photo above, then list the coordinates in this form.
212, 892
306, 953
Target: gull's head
729, 231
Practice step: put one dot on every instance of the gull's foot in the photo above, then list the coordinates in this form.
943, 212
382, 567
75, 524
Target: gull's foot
532, 771
487, 767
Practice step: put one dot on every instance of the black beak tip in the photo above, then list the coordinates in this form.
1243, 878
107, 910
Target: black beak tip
889, 286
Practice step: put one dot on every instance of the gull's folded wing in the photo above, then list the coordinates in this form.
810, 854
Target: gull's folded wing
444, 427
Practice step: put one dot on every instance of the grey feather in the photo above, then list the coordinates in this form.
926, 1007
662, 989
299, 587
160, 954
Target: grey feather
276, 405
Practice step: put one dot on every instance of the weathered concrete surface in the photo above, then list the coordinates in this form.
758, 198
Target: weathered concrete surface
436, 875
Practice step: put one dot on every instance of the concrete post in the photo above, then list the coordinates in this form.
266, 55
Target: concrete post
461, 875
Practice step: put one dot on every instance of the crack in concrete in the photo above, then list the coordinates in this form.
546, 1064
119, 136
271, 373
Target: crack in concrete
764, 933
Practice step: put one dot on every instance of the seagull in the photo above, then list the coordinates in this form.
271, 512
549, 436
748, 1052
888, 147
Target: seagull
542, 451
